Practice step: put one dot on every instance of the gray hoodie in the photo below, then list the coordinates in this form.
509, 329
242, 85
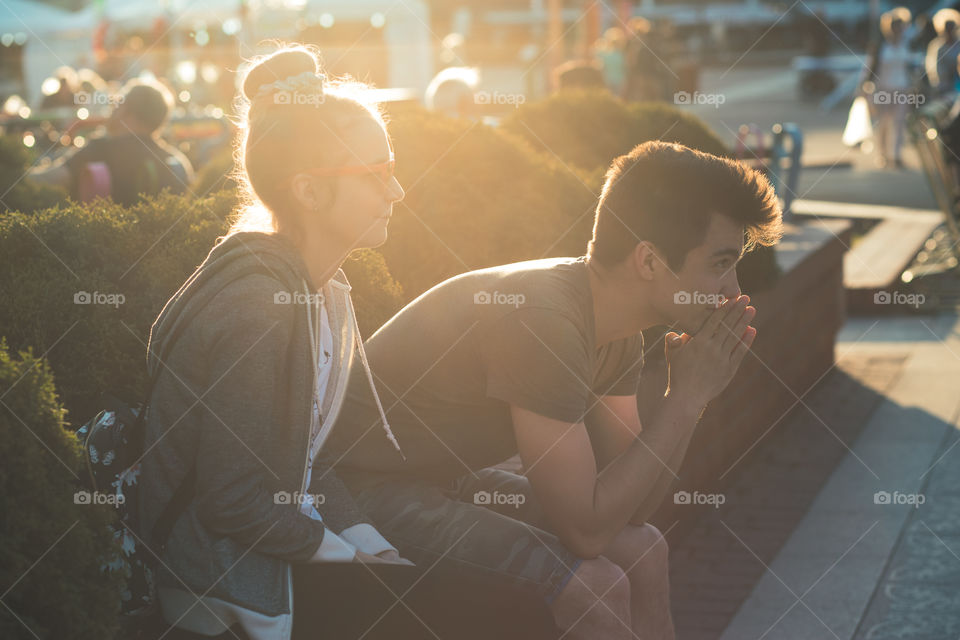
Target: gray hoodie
235, 397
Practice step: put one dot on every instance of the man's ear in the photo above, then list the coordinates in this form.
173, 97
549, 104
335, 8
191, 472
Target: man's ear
645, 260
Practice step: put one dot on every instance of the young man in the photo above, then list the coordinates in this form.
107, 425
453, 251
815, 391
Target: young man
135, 156
543, 358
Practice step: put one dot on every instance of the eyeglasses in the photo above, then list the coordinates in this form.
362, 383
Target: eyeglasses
384, 170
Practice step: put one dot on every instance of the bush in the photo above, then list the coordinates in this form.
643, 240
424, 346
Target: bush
588, 129
18, 193
144, 253
478, 197
53, 547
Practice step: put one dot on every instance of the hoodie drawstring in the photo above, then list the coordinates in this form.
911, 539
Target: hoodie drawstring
315, 340
366, 368
383, 416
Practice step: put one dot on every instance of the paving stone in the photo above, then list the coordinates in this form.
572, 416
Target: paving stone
768, 492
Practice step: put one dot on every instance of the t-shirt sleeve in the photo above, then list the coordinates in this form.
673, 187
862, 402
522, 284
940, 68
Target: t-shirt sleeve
626, 378
538, 359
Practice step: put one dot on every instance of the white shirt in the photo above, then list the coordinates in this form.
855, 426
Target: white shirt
894, 70
334, 548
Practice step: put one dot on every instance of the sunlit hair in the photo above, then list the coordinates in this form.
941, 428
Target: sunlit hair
450, 87
280, 135
942, 17
898, 14
665, 193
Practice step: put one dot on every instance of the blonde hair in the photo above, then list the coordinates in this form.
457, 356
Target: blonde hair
901, 14
280, 135
942, 17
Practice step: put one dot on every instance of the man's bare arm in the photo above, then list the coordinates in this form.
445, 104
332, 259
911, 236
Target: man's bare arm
614, 424
588, 509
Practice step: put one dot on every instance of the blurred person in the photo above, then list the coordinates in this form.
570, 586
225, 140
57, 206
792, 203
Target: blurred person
271, 538
578, 74
643, 63
942, 53
131, 158
610, 50
65, 93
948, 133
453, 92
89, 81
891, 76
543, 359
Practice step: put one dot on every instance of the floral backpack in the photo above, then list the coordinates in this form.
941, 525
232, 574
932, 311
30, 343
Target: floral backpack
113, 442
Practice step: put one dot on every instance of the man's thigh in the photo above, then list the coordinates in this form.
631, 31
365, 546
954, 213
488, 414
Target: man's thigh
486, 522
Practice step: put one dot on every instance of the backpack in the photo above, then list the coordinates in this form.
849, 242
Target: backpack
113, 444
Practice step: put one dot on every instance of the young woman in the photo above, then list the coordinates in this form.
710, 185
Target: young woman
890, 71
256, 377
261, 340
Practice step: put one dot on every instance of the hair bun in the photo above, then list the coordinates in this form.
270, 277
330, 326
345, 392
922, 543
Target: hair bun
279, 66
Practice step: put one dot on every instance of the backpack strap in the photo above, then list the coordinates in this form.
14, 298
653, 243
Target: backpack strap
187, 488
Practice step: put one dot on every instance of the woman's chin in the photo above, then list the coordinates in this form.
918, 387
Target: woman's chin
375, 237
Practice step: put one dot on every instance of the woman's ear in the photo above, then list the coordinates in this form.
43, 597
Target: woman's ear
309, 193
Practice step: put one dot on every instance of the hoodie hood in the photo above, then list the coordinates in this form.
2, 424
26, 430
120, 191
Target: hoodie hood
233, 257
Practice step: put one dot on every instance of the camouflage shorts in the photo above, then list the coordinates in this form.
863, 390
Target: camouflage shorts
488, 522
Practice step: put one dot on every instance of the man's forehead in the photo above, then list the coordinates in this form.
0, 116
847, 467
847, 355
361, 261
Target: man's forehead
723, 236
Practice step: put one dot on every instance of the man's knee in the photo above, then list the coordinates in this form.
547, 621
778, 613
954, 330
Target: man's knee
598, 589
639, 546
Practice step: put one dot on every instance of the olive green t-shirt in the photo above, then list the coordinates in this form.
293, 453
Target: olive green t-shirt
448, 366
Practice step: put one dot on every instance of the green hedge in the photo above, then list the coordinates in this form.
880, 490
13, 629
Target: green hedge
17, 192
477, 197
144, 253
53, 546
588, 129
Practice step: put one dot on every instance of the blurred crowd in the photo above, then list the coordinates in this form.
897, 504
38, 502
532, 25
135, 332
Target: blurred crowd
914, 62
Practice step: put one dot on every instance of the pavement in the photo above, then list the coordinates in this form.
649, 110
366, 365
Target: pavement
843, 519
